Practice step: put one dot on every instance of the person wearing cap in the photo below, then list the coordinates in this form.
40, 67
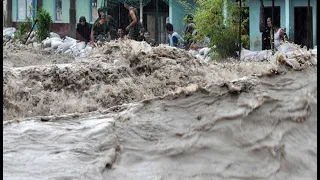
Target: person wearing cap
83, 30
111, 22
190, 31
101, 28
134, 27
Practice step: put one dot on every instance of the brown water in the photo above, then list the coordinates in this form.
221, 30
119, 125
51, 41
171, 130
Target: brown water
159, 114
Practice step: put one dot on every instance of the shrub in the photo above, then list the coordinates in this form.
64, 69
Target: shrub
23, 29
223, 31
44, 22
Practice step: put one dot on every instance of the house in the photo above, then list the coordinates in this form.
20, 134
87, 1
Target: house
168, 10
292, 15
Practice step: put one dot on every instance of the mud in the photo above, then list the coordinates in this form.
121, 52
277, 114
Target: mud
159, 113
19, 55
112, 75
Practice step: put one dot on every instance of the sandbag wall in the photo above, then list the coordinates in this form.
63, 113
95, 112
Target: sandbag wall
54, 43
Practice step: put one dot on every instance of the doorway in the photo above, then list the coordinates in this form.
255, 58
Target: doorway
150, 20
301, 30
265, 37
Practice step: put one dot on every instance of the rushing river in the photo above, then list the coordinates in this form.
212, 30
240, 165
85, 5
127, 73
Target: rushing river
266, 131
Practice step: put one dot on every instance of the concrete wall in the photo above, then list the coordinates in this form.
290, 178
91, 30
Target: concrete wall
177, 13
83, 8
14, 11
286, 18
4, 13
50, 5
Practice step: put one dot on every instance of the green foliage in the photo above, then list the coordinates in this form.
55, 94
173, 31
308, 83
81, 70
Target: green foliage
23, 29
30, 9
245, 41
44, 22
223, 31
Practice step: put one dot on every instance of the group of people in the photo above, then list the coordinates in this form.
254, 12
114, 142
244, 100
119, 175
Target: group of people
279, 35
104, 28
188, 41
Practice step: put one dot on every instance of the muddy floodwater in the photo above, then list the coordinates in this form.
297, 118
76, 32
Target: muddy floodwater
163, 115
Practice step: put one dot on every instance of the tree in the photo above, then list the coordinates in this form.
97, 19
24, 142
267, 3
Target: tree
222, 28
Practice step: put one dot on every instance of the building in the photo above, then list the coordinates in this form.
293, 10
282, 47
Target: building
292, 15
168, 10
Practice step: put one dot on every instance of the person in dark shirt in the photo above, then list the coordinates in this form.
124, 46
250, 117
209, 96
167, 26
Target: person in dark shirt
111, 23
83, 30
134, 27
148, 39
266, 36
100, 29
188, 32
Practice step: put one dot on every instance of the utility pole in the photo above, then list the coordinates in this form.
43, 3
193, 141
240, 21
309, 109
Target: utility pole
72, 18
308, 26
157, 22
240, 20
272, 31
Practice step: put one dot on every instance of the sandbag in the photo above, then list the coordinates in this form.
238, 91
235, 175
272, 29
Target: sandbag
9, 33
55, 44
64, 46
36, 45
56, 39
32, 35
68, 39
46, 43
81, 45
74, 49
204, 51
88, 48
247, 55
11, 29
33, 39
52, 34
69, 51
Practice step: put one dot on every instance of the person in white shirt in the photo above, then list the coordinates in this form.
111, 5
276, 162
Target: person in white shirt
279, 34
174, 39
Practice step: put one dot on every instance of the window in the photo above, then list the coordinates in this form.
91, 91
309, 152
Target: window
29, 8
94, 10
23, 9
58, 10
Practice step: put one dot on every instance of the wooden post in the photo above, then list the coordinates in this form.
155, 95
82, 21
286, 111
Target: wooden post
157, 22
72, 18
9, 14
39, 4
308, 26
141, 12
240, 20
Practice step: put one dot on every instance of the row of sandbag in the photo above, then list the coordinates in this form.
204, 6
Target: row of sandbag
67, 45
204, 54
289, 49
9, 32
